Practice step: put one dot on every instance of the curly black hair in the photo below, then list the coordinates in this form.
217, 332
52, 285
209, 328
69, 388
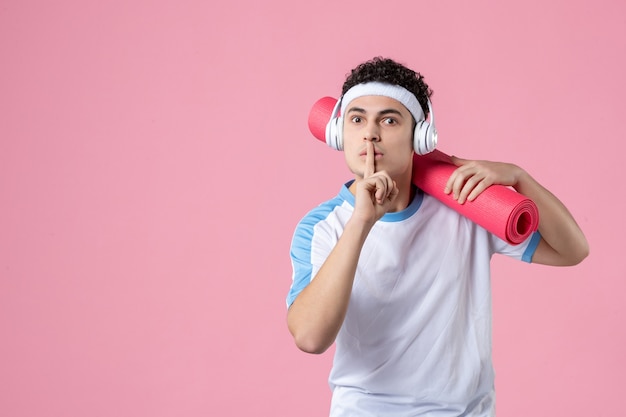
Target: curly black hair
389, 71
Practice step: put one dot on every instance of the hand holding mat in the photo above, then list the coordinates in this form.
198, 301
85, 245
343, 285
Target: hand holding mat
499, 209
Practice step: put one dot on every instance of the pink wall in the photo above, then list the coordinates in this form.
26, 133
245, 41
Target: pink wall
155, 158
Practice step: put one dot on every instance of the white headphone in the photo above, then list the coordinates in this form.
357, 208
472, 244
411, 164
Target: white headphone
424, 135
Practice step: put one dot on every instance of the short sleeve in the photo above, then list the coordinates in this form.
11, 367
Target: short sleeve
523, 251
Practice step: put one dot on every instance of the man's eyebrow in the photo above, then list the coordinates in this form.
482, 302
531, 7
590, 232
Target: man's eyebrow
355, 109
380, 113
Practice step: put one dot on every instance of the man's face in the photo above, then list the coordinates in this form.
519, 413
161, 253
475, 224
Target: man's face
385, 122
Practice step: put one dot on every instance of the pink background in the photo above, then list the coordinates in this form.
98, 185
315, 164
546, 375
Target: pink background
155, 158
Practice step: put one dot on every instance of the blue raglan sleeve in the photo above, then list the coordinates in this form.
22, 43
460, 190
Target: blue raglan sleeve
313, 239
302, 267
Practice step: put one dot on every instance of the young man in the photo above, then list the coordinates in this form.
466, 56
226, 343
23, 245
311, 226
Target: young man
396, 279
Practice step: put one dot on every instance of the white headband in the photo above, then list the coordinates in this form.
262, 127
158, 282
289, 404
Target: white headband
376, 88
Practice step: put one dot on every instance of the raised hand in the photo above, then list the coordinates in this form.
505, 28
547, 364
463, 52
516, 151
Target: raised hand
376, 192
473, 177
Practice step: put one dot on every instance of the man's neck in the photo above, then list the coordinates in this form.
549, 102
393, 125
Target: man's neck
405, 196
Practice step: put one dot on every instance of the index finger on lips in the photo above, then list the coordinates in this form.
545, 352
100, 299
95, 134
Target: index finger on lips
370, 164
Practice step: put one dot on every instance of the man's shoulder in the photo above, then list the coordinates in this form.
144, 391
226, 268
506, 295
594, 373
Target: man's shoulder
322, 211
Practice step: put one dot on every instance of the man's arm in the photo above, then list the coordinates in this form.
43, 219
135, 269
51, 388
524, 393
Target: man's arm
563, 242
316, 315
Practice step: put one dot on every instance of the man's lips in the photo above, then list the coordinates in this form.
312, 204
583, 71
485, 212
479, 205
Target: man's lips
376, 153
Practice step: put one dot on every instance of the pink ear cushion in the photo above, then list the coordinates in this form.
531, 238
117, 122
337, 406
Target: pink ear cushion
504, 212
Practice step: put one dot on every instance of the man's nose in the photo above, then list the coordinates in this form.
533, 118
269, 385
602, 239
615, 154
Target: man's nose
372, 133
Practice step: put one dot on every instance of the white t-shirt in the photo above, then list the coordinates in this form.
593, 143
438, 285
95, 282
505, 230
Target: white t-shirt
416, 340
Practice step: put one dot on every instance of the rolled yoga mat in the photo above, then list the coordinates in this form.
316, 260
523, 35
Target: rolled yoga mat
504, 212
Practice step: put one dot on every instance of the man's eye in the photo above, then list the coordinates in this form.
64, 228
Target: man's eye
389, 121
356, 119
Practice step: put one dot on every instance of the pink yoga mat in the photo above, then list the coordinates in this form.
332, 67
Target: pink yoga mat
499, 209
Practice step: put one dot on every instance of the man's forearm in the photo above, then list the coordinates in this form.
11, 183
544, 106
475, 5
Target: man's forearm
315, 317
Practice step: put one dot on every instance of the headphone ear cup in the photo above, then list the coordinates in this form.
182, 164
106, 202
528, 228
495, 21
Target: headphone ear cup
334, 131
424, 138
339, 133
334, 128
425, 135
